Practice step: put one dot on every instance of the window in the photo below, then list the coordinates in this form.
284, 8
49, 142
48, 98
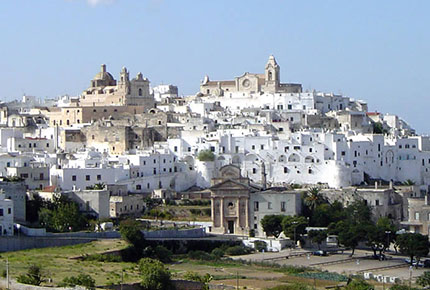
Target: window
269, 205
342, 153
254, 170
1, 212
283, 206
9, 210
310, 149
236, 149
87, 178
285, 170
175, 148
256, 205
262, 147
155, 171
99, 177
417, 216
73, 177
138, 187
377, 202
253, 147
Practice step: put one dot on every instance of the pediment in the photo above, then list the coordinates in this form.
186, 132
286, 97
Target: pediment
230, 185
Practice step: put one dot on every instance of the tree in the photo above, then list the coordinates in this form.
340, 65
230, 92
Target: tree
62, 215
131, 231
205, 279
82, 280
325, 214
424, 279
409, 182
354, 228
413, 245
294, 226
272, 225
206, 155
317, 237
154, 275
34, 276
381, 235
314, 198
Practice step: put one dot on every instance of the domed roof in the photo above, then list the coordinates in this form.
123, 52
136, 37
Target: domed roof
103, 74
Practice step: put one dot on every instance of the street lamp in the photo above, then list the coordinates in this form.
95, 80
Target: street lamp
295, 243
388, 239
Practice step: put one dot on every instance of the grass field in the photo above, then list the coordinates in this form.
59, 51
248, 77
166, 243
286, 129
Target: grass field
60, 262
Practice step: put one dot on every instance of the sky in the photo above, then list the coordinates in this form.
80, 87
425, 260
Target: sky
376, 51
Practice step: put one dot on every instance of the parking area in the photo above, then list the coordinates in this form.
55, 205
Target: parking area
342, 263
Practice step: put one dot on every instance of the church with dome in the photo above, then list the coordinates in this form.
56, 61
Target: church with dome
267, 82
104, 90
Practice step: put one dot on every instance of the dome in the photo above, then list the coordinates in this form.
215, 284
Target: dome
103, 75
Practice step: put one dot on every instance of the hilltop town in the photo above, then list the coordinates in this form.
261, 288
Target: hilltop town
239, 151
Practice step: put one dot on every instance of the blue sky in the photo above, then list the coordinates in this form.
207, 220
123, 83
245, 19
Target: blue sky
371, 50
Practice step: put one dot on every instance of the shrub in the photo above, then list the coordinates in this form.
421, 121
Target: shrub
201, 255
154, 275
163, 254
237, 250
260, 246
82, 280
102, 258
33, 276
219, 253
206, 155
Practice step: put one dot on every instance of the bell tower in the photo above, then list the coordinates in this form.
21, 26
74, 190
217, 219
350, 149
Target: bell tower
124, 81
272, 75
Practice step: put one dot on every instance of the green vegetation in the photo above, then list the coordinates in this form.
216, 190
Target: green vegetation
205, 279
317, 237
154, 275
60, 215
206, 155
424, 279
294, 226
34, 276
272, 225
413, 245
82, 280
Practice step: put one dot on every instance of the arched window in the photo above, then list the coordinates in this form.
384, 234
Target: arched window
270, 76
140, 92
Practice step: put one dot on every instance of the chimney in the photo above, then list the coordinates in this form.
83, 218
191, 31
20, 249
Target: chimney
103, 68
426, 199
376, 185
391, 184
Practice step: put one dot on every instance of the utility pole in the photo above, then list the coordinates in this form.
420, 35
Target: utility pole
7, 272
237, 280
122, 278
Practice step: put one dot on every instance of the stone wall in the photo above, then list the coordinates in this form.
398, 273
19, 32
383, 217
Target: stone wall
15, 243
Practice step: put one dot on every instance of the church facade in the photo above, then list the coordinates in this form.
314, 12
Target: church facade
267, 82
104, 90
237, 207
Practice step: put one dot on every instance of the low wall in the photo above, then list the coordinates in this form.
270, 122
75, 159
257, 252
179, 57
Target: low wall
178, 234
18, 286
15, 243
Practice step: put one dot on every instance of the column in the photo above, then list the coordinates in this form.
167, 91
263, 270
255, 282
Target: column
222, 215
247, 212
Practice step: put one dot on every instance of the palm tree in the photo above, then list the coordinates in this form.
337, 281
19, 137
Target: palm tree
314, 198
409, 182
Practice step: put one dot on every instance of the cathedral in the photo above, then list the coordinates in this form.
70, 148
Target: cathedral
104, 90
268, 82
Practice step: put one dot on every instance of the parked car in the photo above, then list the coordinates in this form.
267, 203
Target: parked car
416, 263
380, 257
320, 253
